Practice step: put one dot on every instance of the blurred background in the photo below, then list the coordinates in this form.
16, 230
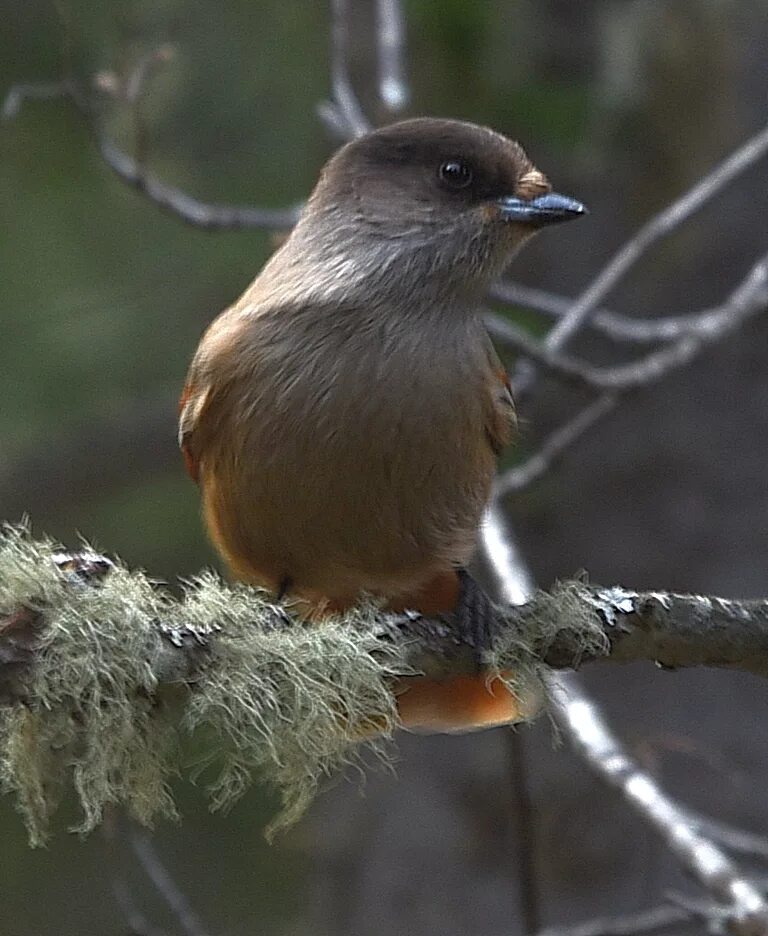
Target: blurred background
624, 103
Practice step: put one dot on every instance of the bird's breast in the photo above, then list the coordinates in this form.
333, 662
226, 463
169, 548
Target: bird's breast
363, 453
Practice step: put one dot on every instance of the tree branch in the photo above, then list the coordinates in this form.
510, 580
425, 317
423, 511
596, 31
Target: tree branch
79, 634
390, 36
749, 298
207, 215
742, 910
342, 115
621, 328
654, 230
152, 865
552, 448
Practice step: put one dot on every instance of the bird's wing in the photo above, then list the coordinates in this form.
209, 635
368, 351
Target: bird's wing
500, 416
191, 407
208, 377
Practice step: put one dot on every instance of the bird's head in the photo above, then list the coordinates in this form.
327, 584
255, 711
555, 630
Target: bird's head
437, 197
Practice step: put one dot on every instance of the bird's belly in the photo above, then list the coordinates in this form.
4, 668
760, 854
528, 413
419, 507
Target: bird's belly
335, 507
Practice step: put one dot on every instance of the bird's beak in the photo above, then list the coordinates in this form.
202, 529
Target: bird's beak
546, 209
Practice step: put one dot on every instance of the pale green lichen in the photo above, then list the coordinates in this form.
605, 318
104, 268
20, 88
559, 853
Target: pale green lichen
290, 705
108, 699
561, 614
92, 713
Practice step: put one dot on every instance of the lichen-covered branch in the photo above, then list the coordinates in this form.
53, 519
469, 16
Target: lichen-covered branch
672, 630
101, 669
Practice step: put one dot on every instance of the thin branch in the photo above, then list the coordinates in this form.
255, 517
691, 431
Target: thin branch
617, 327
748, 299
745, 911
135, 91
20, 93
644, 923
738, 840
390, 36
512, 578
578, 716
525, 829
552, 448
207, 215
136, 921
152, 865
343, 115
654, 230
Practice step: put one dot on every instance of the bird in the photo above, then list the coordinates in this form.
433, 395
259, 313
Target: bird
343, 418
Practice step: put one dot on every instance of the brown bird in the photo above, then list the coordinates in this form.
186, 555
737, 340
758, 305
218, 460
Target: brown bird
344, 416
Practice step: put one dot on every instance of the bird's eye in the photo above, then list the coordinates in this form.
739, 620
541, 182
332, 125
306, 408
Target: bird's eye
455, 174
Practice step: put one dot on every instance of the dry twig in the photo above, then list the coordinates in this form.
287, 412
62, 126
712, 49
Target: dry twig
654, 230
619, 328
742, 908
749, 298
657, 920
390, 36
152, 865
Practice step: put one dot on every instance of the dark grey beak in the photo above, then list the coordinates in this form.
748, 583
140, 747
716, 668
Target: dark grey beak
546, 209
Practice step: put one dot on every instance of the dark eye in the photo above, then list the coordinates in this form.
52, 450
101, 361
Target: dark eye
455, 174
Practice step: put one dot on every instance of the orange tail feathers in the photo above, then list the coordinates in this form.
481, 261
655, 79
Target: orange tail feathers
460, 702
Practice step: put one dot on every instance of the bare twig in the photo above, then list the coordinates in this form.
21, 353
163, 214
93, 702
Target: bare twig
136, 921
738, 840
20, 93
343, 115
525, 827
748, 299
166, 887
579, 717
658, 227
390, 35
135, 89
745, 910
207, 215
550, 450
513, 580
644, 923
617, 327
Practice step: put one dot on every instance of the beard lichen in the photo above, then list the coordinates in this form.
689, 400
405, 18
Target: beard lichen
561, 615
288, 704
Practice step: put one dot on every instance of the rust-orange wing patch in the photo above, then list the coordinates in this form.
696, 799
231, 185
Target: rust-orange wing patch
191, 405
500, 419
